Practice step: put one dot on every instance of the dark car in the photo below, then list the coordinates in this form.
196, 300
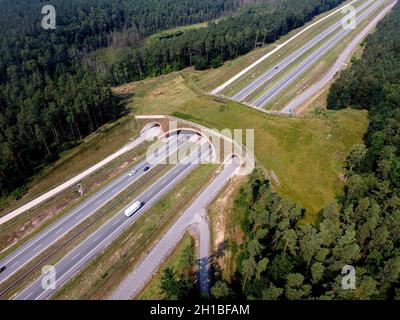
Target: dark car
2, 269
146, 169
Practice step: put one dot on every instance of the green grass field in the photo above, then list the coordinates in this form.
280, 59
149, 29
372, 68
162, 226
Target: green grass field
175, 32
305, 153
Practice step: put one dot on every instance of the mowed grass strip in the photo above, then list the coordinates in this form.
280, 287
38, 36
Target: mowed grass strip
176, 32
306, 155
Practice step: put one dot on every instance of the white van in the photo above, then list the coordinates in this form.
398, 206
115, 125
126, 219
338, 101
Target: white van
133, 209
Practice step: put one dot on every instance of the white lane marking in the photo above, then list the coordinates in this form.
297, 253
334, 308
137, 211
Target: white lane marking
97, 238
59, 231
27, 297
75, 256
116, 222
16, 262
78, 217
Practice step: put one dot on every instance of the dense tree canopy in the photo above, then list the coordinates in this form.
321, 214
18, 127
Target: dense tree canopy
283, 258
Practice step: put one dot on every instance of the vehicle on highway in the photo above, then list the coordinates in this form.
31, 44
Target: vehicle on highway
146, 169
2, 269
131, 173
133, 209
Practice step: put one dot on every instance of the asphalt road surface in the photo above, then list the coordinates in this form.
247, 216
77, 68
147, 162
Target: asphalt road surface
43, 240
294, 74
137, 279
150, 133
315, 88
68, 266
269, 74
202, 228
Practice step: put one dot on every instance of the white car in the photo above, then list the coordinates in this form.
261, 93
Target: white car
131, 173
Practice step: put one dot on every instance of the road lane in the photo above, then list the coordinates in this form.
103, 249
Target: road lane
138, 278
76, 259
24, 254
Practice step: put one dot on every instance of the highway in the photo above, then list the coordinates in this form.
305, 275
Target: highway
148, 134
226, 84
315, 88
46, 238
269, 74
295, 73
98, 241
137, 279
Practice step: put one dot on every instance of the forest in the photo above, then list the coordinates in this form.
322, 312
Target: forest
49, 99
281, 257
